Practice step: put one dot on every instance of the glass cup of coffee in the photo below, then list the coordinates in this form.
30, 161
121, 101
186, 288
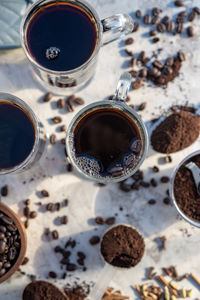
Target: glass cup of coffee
62, 40
22, 137
107, 141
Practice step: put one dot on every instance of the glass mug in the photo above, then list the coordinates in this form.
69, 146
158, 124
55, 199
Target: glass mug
107, 30
16, 135
107, 141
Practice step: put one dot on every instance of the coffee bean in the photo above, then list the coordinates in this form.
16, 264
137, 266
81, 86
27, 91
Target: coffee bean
180, 20
27, 202
2, 236
167, 70
69, 167
110, 221
63, 141
53, 139
63, 128
178, 3
52, 274
156, 11
164, 179
116, 170
79, 101
57, 119
155, 40
80, 262
26, 211
133, 62
155, 20
166, 200
183, 13
7, 220
141, 56
152, 201
128, 52
154, 72
50, 207
58, 206
25, 261
2, 247
153, 182
138, 175
137, 84
129, 41
26, 223
190, 31
144, 184
181, 56
168, 159
2, 272
155, 169
65, 202
132, 106
69, 103
143, 73
191, 16
4, 190
142, 106
71, 267
47, 97
135, 186
196, 10
33, 214
12, 253
136, 26
81, 255
44, 193
170, 27
64, 220
94, 240
134, 73
147, 19
169, 61
161, 27
180, 28
7, 265
60, 103
136, 145
152, 32
100, 220
165, 20
138, 14
2, 228
158, 64
55, 235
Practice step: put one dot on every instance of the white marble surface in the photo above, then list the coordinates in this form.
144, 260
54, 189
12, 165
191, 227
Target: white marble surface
86, 200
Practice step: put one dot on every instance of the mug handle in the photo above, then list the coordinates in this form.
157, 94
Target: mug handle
116, 26
123, 87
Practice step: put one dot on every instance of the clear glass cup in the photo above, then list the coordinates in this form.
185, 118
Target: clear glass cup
39, 146
117, 103
63, 82
193, 222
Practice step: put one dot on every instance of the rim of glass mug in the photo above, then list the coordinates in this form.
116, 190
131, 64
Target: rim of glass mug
118, 102
171, 190
83, 4
6, 97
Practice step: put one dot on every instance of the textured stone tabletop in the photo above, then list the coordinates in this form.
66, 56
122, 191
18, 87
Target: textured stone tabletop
86, 199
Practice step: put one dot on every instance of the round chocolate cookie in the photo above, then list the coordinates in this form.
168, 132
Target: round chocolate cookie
43, 290
122, 246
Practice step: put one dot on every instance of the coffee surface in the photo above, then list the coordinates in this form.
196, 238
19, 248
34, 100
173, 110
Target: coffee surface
65, 27
122, 246
17, 135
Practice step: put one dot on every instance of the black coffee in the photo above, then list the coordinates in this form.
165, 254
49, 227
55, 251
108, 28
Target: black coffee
17, 135
107, 142
61, 36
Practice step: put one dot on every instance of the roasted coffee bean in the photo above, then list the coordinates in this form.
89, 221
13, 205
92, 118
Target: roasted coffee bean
26, 223
166, 200
196, 10
128, 99
155, 20
53, 139
155, 40
12, 228
170, 27
181, 56
132, 106
165, 20
2, 272
57, 119
154, 72
2, 236
63, 128
138, 14
94, 240
80, 262
69, 103
136, 26
133, 62
156, 11
183, 13
7, 220
52, 274
161, 27
63, 141
135, 186
137, 84
58, 206
178, 3
58, 249
71, 267
145, 184
45, 193
69, 167
12, 253
190, 31
158, 64
47, 97
55, 235
33, 214
152, 32
65, 202
66, 254
143, 73
141, 56
169, 61
1, 265
81, 255
153, 182
25, 261
2, 247
2, 228
64, 220
164, 179
100, 220
128, 52
26, 211
27, 202
134, 73
79, 101
110, 221
129, 41
167, 70
180, 28
60, 103
142, 106
191, 16
50, 206
152, 201
7, 265
180, 20
168, 159
147, 19
4, 190
138, 176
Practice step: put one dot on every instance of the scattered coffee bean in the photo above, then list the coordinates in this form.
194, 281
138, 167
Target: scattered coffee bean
135, 186
129, 41
79, 101
63, 141
167, 70
47, 97
64, 220
160, 27
100, 220
166, 200
142, 106
155, 40
69, 167
134, 73
147, 19
190, 31
63, 128
133, 62
191, 16
155, 20
183, 13
81, 255
180, 20
33, 214
4, 190
156, 11
26, 224
169, 62
145, 184
71, 267
26, 211
153, 182
53, 139
69, 103
152, 33
110, 221
58, 206
178, 3
152, 201
55, 235
57, 119
52, 275
165, 20
80, 262
155, 169
132, 106
44, 193
164, 179
180, 28
25, 261
196, 10
154, 72
168, 159
170, 27
65, 202
138, 14
128, 52
138, 83
60, 103
181, 56
136, 26
50, 207
94, 240
158, 64
143, 73
27, 202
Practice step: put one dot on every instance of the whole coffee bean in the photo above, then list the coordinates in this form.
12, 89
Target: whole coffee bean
2, 236
153, 182
129, 41
180, 20
57, 119
196, 10
7, 265
135, 186
133, 62
167, 70
147, 19
155, 40
26, 223
165, 20
71, 267
152, 32
141, 56
169, 62
7, 220
129, 53
69, 167
60, 103
158, 64
26, 211
152, 201
47, 97
154, 72
12, 253
4, 190
55, 235
156, 11
79, 101
164, 179
143, 73
155, 169
64, 220
81, 255
155, 20
80, 262
161, 27
144, 184
134, 73
94, 240
181, 56
191, 16
2, 272
138, 14
44, 193
100, 220
142, 106
183, 13
58, 206
27, 202
2, 247
12, 227
53, 139
161, 80
166, 200
25, 261
137, 84
33, 214
65, 202
190, 31
2, 228
178, 3
180, 28
63, 128
110, 221
63, 141
170, 27
52, 275
136, 26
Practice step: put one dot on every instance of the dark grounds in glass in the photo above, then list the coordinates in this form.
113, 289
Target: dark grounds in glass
66, 27
17, 135
107, 140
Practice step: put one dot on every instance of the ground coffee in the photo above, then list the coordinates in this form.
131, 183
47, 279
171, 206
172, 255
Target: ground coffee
185, 190
122, 246
42, 290
176, 132
76, 293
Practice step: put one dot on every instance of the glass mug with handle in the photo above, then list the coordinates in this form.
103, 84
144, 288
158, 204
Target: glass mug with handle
107, 141
62, 40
